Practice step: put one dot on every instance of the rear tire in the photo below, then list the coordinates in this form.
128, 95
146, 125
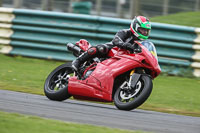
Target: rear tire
56, 84
125, 99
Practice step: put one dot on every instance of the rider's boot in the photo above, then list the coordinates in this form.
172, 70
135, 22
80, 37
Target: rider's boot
80, 60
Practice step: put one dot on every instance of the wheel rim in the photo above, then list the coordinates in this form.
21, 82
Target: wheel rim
60, 79
128, 94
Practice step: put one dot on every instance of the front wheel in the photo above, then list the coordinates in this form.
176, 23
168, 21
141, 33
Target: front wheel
56, 84
127, 98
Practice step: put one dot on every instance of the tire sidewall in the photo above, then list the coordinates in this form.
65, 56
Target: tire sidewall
61, 94
139, 100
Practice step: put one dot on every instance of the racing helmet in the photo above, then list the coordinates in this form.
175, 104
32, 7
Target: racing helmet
141, 27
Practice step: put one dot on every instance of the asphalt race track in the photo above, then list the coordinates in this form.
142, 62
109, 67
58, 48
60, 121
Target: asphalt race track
97, 114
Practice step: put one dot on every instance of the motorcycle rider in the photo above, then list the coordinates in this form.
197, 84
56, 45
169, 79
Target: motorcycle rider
139, 30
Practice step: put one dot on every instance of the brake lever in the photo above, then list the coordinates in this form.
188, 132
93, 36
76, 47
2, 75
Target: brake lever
137, 50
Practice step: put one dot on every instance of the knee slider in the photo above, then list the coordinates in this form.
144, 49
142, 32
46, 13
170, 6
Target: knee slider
92, 51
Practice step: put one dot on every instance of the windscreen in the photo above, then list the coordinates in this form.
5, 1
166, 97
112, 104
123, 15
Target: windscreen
150, 46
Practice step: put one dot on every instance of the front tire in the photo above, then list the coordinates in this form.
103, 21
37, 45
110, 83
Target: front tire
56, 84
128, 99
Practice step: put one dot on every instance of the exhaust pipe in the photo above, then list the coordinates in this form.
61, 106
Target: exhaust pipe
75, 49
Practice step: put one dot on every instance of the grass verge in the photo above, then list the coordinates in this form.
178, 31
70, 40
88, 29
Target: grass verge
16, 123
170, 94
173, 94
184, 18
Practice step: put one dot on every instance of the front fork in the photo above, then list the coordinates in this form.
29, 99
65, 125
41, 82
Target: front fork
134, 77
132, 87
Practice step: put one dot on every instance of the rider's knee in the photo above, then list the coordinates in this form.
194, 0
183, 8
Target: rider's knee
92, 51
102, 49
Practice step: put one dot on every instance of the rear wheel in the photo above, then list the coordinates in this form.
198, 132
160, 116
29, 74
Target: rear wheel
127, 98
56, 84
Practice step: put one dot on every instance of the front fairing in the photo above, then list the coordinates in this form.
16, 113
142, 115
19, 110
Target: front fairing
147, 58
151, 59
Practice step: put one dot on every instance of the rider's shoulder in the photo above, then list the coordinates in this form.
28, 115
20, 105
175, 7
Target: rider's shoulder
125, 30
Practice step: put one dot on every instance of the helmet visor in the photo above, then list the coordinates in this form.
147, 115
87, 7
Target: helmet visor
143, 31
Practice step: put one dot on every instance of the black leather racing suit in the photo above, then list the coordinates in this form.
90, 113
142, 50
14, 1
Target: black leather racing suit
120, 40
125, 36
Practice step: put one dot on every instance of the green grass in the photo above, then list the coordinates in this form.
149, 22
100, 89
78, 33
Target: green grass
176, 95
170, 94
185, 18
24, 74
15, 123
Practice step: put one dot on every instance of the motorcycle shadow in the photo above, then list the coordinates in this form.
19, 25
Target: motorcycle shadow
97, 106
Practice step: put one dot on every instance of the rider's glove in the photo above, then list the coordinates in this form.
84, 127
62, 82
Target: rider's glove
129, 46
123, 45
117, 42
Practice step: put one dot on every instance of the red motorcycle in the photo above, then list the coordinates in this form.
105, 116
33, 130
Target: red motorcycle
125, 77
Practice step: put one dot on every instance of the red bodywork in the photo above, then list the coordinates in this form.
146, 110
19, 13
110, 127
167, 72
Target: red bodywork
99, 85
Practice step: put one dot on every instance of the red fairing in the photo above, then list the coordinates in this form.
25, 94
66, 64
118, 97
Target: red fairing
99, 85
150, 61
